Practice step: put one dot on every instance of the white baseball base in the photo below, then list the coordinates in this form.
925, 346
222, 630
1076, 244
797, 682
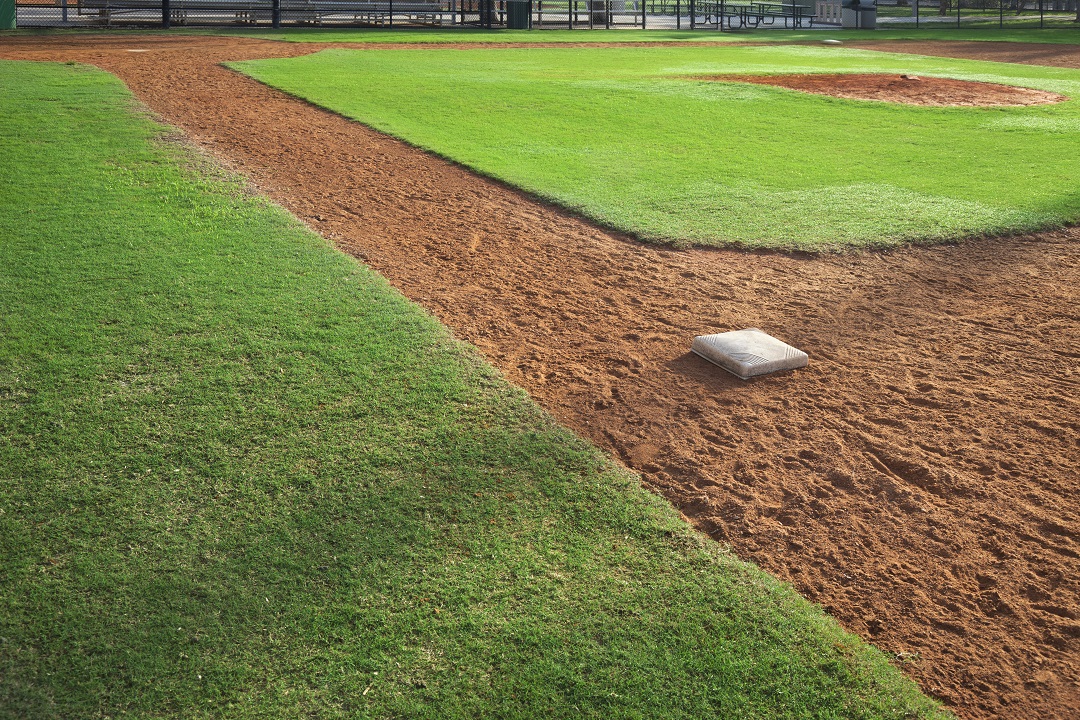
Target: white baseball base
748, 353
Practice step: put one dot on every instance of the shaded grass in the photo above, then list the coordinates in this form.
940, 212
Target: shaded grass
629, 137
241, 477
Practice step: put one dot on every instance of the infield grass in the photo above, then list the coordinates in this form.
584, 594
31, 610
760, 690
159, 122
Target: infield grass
634, 138
242, 477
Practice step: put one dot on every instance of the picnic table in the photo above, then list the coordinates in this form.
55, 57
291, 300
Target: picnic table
754, 14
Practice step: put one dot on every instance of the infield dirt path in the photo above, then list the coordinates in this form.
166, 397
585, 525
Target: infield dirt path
919, 480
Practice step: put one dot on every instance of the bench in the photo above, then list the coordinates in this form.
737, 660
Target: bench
366, 12
105, 9
379, 12
242, 10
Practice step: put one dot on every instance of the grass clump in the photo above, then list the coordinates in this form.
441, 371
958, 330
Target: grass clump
630, 138
240, 476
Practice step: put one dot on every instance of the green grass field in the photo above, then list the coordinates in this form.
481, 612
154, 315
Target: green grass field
628, 137
240, 476
1067, 33
1054, 35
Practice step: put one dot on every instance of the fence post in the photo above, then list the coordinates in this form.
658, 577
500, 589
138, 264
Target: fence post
693, 14
678, 14
275, 14
166, 14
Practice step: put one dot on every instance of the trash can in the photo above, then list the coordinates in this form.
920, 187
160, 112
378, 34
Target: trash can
7, 14
518, 14
598, 12
856, 14
867, 15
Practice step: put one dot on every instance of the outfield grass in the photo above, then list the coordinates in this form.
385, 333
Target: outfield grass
456, 36
240, 476
629, 138
1064, 35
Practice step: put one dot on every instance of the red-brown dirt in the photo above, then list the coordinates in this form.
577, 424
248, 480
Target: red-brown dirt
919, 480
908, 89
1067, 56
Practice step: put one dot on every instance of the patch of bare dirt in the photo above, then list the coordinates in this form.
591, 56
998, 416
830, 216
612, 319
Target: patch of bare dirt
920, 480
907, 89
1051, 55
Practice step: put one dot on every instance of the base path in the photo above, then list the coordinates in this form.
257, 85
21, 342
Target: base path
920, 479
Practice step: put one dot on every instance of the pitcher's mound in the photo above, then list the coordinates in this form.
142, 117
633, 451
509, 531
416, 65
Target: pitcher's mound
910, 89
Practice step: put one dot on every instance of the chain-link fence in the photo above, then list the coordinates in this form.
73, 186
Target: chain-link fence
566, 14
979, 13
270, 13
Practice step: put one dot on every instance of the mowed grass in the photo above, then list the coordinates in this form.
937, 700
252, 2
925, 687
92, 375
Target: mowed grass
927, 31
634, 138
240, 476
1055, 32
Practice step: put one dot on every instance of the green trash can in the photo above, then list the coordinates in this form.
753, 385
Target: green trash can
518, 15
7, 14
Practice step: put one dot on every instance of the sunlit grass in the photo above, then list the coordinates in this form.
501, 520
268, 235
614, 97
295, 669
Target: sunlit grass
633, 138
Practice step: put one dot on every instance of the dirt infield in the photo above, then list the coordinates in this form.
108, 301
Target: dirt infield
921, 479
907, 89
1066, 56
